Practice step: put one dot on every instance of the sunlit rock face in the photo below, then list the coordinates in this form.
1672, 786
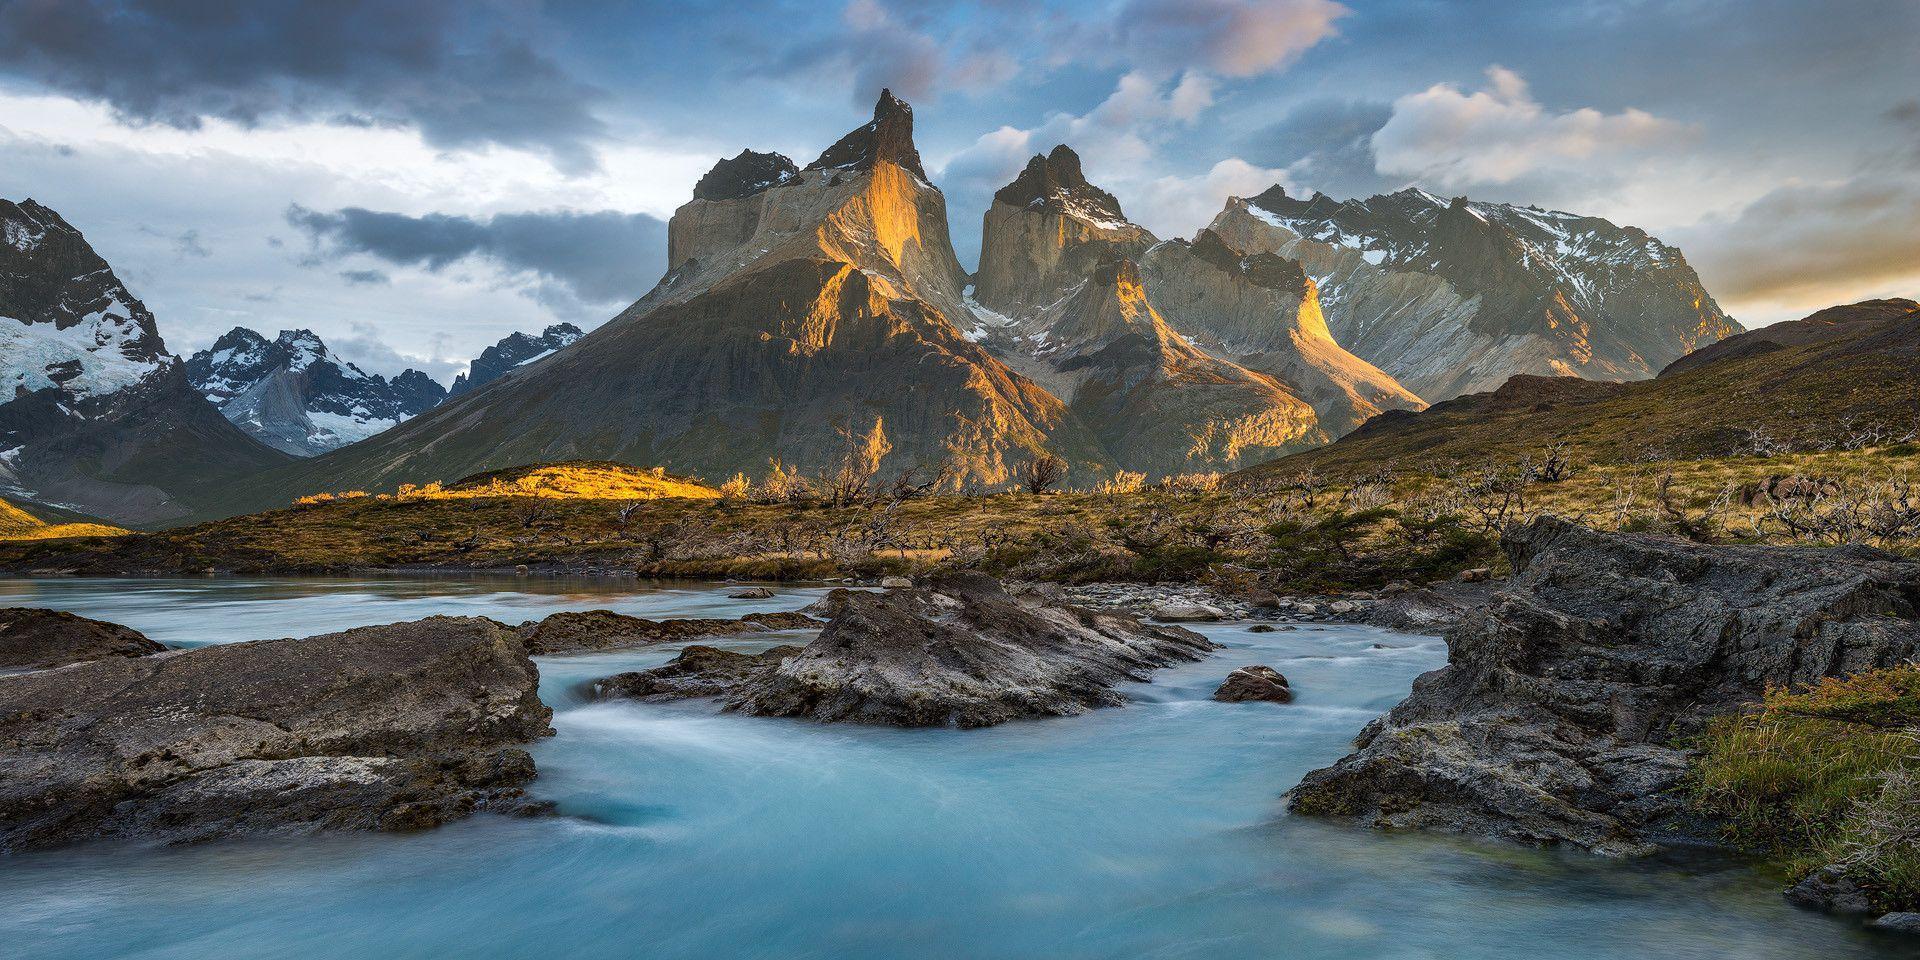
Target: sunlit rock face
1158, 403
1452, 297
1046, 232
1264, 312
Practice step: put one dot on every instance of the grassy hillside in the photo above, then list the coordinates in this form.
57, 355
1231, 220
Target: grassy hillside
18, 524
1846, 381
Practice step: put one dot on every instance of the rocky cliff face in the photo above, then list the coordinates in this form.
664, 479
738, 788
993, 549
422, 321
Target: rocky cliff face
1562, 713
1156, 402
295, 395
1045, 234
1453, 297
96, 415
514, 351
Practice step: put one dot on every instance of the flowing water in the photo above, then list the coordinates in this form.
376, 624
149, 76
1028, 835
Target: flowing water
1152, 830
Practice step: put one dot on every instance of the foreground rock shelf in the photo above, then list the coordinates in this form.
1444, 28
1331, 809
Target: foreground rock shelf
36, 639
1559, 716
400, 726
962, 652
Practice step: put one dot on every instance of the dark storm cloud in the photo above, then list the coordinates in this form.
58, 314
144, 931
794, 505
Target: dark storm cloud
365, 278
1326, 145
600, 257
451, 69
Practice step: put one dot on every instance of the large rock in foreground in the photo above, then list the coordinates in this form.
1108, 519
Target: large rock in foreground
962, 653
36, 639
392, 727
1558, 716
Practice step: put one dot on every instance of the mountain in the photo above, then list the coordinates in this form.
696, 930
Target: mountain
799, 306
1452, 297
295, 395
98, 416
1841, 377
512, 351
1047, 235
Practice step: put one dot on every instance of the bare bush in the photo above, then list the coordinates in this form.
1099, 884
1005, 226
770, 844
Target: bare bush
1042, 473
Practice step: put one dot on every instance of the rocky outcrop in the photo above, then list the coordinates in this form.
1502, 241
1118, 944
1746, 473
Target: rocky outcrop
1560, 715
36, 639
515, 350
1263, 311
1847, 322
393, 727
295, 395
745, 175
1046, 233
1255, 683
961, 652
1453, 297
95, 413
578, 632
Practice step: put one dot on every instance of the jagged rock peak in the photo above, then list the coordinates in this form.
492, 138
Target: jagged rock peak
1261, 269
745, 175
1054, 182
1120, 274
888, 136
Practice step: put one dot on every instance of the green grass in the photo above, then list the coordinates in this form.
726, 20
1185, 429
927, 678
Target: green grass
1830, 774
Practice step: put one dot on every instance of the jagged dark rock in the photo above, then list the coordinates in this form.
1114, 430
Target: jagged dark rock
962, 652
36, 639
1055, 183
745, 175
1255, 683
401, 726
574, 632
1561, 714
888, 137
512, 351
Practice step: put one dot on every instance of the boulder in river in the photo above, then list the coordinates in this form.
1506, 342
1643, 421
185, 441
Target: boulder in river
751, 593
36, 639
589, 630
1558, 716
1255, 683
961, 652
401, 726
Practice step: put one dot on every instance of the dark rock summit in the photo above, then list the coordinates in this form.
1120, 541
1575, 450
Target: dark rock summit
962, 652
394, 727
1559, 715
36, 639
1055, 183
888, 137
513, 351
745, 175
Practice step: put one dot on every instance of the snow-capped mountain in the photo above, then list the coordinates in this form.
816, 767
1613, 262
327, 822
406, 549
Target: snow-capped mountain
95, 414
514, 350
295, 395
1455, 296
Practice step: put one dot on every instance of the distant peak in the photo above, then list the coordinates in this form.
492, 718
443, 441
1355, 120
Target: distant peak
1269, 197
1055, 182
1261, 269
745, 175
888, 137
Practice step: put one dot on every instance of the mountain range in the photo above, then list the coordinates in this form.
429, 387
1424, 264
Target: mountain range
807, 310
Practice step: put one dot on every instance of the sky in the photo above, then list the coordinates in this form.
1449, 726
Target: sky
414, 179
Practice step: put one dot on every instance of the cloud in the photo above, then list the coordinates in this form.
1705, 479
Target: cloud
603, 257
1326, 145
1173, 205
1805, 246
1451, 138
1234, 38
365, 278
455, 71
365, 348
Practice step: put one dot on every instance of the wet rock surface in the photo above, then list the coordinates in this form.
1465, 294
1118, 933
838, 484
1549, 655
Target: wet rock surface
589, 630
961, 652
1557, 717
393, 727
36, 639
1255, 683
